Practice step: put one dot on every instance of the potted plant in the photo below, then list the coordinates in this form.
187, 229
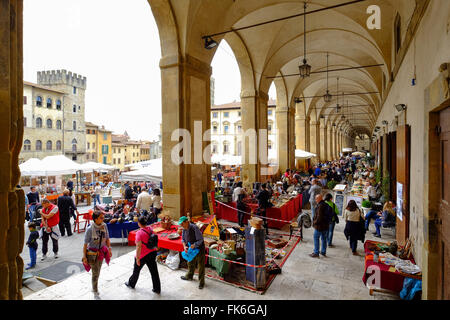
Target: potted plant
366, 206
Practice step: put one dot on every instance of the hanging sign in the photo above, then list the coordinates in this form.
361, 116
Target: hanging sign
400, 201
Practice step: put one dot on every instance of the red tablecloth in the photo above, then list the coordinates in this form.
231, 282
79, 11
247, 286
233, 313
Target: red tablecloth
287, 212
390, 278
163, 240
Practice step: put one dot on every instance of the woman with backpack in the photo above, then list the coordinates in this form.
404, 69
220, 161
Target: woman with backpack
146, 250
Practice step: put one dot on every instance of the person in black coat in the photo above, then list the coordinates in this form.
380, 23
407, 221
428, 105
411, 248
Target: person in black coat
65, 205
129, 195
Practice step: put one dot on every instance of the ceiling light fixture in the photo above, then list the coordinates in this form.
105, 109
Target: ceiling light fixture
305, 69
327, 97
210, 43
400, 107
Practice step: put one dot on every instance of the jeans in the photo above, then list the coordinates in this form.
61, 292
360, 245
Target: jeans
353, 245
372, 214
323, 235
31, 211
32, 256
330, 233
378, 223
262, 212
97, 198
150, 261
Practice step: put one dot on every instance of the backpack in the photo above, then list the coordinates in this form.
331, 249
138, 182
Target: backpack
152, 240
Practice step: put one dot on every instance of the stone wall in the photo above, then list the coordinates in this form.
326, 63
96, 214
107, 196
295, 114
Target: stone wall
428, 50
12, 199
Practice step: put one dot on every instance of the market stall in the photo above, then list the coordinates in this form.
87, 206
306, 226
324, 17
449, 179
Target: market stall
286, 210
391, 269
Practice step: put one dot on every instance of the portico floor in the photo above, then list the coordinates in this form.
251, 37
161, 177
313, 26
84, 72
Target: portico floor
336, 277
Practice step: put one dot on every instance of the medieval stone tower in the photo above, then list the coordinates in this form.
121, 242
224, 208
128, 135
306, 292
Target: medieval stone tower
74, 129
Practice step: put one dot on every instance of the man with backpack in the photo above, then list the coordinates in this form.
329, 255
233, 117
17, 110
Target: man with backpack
146, 250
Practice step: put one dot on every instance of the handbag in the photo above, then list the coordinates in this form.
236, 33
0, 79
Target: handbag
93, 255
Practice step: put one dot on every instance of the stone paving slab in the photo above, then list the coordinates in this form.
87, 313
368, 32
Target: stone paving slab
336, 277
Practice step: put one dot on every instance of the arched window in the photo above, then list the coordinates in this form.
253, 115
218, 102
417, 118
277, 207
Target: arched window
58, 124
49, 145
49, 123
38, 145
74, 145
74, 126
49, 103
27, 145
58, 104
58, 145
74, 108
38, 123
215, 127
39, 101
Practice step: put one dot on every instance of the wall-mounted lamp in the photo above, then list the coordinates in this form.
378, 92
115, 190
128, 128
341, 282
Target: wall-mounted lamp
400, 107
210, 43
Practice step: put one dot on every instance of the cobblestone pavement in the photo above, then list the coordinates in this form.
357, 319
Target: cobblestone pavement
337, 276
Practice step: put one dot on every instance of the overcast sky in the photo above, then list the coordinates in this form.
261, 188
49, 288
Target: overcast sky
115, 44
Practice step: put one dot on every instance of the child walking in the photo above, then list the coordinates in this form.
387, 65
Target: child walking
32, 244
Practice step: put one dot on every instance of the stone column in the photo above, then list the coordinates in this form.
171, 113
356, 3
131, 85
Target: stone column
323, 141
335, 142
185, 107
315, 139
302, 133
254, 118
285, 136
12, 199
330, 142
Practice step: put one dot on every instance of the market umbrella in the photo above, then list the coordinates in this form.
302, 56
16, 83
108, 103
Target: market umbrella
301, 154
94, 166
59, 165
32, 167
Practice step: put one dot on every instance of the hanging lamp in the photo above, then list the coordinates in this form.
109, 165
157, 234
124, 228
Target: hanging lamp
327, 97
305, 69
338, 107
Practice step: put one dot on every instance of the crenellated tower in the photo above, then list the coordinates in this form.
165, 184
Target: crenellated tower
74, 127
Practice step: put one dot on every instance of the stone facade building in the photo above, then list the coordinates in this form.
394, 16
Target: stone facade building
43, 122
98, 144
226, 130
73, 108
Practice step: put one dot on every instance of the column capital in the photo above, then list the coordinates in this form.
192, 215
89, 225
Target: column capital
314, 122
186, 62
248, 94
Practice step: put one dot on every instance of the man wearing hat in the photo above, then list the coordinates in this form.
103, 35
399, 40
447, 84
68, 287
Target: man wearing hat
192, 235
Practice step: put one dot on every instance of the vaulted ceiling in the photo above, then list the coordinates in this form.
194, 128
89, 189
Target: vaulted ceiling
276, 49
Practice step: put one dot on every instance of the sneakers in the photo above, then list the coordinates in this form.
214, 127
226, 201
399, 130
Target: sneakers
313, 255
56, 255
44, 257
30, 267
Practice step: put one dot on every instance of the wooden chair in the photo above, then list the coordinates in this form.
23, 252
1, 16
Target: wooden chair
85, 218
